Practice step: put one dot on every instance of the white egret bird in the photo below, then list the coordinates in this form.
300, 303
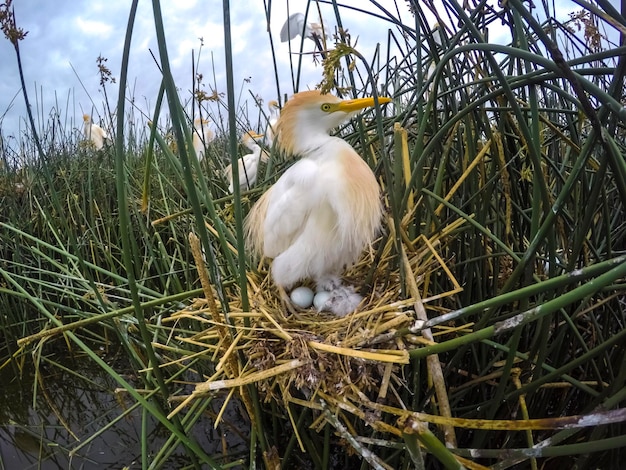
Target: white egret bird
295, 26
325, 209
93, 132
202, 135
248, 164
270, 130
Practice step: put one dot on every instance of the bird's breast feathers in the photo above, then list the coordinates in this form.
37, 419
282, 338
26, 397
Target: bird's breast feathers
336, 193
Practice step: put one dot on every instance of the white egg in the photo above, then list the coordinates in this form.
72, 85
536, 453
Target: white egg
320, 299
302, 297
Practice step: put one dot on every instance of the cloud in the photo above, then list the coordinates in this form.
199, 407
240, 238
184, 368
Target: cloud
66, 37
74, 35
94, 28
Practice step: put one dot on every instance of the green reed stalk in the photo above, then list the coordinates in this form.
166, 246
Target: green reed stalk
547, 308
129, 249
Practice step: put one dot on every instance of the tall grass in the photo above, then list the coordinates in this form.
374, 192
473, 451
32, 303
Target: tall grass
510, 156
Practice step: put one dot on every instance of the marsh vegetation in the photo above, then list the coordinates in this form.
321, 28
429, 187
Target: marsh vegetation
492, 330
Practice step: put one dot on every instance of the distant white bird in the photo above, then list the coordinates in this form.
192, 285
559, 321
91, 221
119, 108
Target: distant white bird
437, 34
248, 164
295, 26
325, 209
432, 66
202, 135
270, 130
94, 133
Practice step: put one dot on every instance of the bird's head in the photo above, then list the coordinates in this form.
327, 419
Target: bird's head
86, 118
274, 110
249, 138
310, 115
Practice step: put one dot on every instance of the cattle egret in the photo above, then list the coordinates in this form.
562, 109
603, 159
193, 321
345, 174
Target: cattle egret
270, 131
248, 164
202, 135
325, 209
295, 26
94, 133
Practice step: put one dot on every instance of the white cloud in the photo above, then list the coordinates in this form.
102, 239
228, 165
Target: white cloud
183, 5
98, 27
94, 28
66, 31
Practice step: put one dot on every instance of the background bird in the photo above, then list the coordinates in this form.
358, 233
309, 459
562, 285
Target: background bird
94, 133
270, 130
295, 25
248, 164
325, 209
202, 135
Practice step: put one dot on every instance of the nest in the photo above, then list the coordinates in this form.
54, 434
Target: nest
332, 365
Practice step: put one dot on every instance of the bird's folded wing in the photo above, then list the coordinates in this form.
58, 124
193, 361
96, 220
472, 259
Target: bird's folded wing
248, 165
291, 201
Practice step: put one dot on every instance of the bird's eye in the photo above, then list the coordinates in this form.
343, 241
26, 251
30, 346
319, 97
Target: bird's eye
325, 107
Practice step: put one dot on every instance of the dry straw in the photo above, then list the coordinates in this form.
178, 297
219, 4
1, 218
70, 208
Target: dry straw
315, 360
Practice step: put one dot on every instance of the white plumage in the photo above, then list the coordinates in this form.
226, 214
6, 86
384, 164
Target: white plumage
202, 135
94, 133
295, 26
248, 164
270, 131
325, 209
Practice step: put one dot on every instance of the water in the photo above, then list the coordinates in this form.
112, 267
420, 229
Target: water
47, 431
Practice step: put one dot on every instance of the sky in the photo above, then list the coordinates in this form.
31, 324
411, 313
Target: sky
65, 37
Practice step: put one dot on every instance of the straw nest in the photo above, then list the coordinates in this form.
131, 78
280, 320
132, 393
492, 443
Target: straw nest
317, 360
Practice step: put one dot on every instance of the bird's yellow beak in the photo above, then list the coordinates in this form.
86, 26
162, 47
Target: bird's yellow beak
350, 106
254, 135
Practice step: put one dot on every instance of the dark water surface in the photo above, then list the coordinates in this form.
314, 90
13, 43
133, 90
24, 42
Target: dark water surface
40, 426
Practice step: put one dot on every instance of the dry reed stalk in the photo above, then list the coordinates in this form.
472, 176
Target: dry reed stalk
434, 366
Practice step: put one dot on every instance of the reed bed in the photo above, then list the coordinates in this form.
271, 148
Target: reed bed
491, 334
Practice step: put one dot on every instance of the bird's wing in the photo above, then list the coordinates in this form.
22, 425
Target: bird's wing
292, 27
198, 146
270, 131
103, 133
291, 201
228, 174
248, 166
